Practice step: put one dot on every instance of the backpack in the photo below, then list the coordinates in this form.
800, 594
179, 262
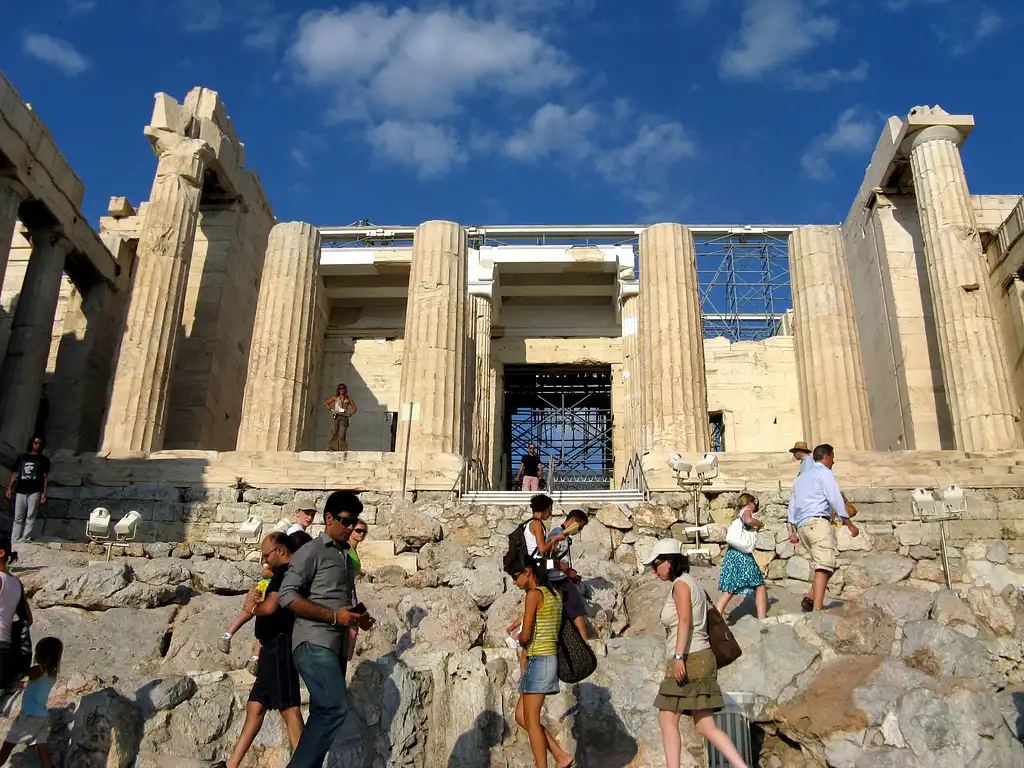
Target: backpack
517, 553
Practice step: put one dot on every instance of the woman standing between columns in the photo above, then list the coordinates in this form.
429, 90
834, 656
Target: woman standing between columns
342, 408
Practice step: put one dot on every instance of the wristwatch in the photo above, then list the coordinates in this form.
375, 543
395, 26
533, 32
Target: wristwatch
679, 656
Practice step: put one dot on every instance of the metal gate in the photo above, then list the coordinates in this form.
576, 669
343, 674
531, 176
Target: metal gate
566, 412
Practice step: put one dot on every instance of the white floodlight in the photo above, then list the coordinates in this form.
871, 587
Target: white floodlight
923, 502
707, 467
251, 529
98, 527
128, 526
953, 503
679, 465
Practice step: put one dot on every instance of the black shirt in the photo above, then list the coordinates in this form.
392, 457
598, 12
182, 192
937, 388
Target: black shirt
280, 621
30, 469
531, 465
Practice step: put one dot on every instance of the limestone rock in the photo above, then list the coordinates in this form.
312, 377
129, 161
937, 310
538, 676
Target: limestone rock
165, 693
413, 526
921, 552
847, 542
938, 650
991, 610
997, 553
901, 603
799, 568
654, 519
876, 568
950, 610
644, 602
615, 516
91, 588
224, 577
770, 663
441, 619
486, 581
196, 629
443, 554
765, 541
505, 609
105, 731
593, 541
197, 726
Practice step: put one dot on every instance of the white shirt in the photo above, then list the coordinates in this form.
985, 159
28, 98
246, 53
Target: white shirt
294, 528
815, 492
531, 540
10, 596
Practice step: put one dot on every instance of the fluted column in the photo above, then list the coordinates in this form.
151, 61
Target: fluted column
277, 386
11, 195
632, 370
483, 410
830, 369
974, 366
672, 341
136, 419
21, 380
435, 339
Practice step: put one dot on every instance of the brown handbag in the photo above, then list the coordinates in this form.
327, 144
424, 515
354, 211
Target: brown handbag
723, 643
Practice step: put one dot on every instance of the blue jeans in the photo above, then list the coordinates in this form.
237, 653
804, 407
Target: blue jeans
323, 672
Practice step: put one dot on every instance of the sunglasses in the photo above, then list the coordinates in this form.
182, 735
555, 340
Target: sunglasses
348, 522
360, 531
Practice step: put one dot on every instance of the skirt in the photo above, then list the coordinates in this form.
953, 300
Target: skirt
540, 675
700, 689
277, 679
740, 573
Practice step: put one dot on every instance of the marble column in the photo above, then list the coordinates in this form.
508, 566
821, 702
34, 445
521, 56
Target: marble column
21, 380
830, 369
483, 409
433, 360
278, 386
631, 378
136, 420
672, 342
11, 195
974, 365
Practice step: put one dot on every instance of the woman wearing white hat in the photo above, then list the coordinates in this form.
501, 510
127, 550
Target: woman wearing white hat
691, 677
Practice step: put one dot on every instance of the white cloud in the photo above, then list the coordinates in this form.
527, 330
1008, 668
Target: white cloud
421, 64
59, 54
821, 81
987, 24
656, 147
262, 27
773, 33
852, 132
552, 130
431, 149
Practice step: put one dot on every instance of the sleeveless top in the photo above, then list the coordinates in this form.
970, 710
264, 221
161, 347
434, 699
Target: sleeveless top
545, 626
33, 702
530, 538
10, 596
699, 615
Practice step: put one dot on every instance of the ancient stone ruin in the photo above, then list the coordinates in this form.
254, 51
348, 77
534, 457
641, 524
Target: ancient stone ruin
178, 360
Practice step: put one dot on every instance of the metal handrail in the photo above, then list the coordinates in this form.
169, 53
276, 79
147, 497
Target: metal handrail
634, 478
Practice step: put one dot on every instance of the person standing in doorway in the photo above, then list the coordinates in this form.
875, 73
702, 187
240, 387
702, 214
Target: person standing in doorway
318, 588
815, 496
28, 488
342, 408
531, 470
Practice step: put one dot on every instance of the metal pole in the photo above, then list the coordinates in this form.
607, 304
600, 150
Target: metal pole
405, 463
945, 560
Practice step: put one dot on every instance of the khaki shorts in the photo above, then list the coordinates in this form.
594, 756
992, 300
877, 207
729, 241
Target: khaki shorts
29, 729
819, 539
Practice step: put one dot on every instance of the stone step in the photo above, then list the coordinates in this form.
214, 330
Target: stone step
565, 498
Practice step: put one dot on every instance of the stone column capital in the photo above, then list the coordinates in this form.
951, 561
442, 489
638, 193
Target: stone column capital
182, 156
932, 133
51, 237
12, 186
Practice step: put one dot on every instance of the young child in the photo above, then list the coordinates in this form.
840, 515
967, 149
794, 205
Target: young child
224, 644
33, 724
538, 637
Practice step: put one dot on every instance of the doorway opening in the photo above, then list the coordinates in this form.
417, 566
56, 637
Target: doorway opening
566, 412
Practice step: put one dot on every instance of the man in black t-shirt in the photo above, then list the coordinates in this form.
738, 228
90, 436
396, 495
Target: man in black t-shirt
530, 469
28, 488
277, 679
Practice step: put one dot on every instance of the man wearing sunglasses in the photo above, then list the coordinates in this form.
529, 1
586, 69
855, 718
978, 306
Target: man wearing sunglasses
319, 589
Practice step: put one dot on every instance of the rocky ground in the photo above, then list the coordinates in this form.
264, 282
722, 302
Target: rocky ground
896, 676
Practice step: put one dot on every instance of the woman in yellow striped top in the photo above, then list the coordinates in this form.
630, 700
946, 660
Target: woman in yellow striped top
538, 636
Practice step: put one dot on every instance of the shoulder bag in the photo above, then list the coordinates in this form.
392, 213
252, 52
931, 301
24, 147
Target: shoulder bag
739, 538
723, 643
21, 637
576, 659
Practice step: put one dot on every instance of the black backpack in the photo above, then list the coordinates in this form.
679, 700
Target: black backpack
517, 554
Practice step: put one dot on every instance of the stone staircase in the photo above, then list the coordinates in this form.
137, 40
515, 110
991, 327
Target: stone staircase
567, 499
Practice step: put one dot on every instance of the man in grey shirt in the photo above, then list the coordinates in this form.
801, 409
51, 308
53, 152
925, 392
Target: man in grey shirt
318, 588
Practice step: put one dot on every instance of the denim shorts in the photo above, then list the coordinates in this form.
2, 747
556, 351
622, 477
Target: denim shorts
540, 675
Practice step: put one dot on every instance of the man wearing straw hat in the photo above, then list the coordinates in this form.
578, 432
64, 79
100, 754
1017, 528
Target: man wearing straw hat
802, 453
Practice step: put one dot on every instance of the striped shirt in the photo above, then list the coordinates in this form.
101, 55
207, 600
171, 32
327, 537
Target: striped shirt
545, 626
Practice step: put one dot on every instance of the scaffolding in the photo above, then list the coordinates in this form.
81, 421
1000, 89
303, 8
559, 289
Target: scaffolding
742, 271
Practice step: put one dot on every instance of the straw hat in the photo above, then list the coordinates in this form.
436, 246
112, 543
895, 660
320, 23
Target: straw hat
801, 446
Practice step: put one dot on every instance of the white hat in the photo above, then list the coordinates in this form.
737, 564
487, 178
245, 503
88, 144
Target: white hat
664, 547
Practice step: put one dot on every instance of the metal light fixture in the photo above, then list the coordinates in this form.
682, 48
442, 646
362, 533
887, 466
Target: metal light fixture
128, 526
98, 527
707, 467
940, 506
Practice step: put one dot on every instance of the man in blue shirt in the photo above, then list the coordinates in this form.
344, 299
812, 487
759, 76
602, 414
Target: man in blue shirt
815, 495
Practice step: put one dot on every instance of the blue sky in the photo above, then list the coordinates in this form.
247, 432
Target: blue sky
527, 111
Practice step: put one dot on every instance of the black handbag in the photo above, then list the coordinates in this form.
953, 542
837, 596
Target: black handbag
21, 639
576, 659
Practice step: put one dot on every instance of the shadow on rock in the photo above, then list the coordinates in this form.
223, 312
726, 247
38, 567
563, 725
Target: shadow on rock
473, 748
106, 731
602, 739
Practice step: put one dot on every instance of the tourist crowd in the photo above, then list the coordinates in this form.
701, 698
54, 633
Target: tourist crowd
307, 617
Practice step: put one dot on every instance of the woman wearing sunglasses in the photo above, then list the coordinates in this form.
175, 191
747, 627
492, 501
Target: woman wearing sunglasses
690, 685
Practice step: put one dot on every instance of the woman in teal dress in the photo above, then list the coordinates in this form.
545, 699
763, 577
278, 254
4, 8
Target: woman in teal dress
740, 572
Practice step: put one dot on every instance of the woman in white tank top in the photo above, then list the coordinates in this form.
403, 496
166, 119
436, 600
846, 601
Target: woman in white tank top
10, 597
